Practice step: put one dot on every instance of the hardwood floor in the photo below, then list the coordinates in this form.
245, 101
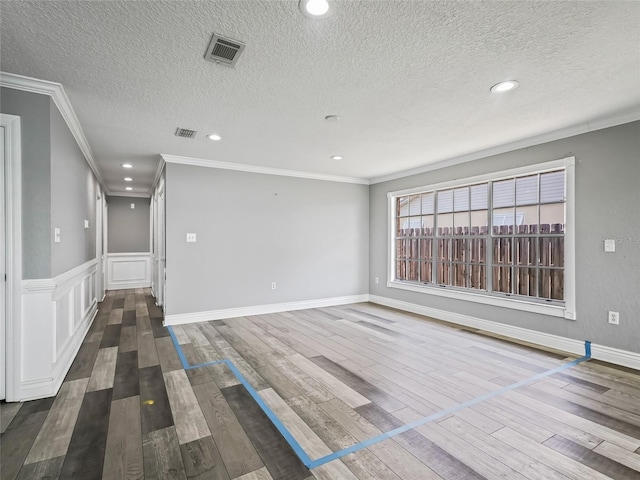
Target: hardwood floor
334, 377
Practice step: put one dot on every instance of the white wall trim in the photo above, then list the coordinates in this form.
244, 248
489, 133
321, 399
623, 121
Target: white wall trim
576, 347
200, 162
128, 270
57, 313
13, 247
182, 318
57, 93
158, 175
129, 194
598, 124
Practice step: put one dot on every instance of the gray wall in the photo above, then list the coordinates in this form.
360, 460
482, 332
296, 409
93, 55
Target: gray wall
73, 199
37, 235
128, 229
308, 236
607, 206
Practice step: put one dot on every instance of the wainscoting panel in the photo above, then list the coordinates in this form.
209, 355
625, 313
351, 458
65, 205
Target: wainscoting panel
56, 315
128, 270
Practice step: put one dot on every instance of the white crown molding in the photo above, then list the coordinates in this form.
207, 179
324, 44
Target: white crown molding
129, 194
157, 176
199, 162
182, 318
599, 124
57, 93
576, 347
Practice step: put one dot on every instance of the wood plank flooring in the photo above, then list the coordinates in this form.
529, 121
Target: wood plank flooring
335, 377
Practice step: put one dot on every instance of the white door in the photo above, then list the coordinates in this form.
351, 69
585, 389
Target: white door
3, 269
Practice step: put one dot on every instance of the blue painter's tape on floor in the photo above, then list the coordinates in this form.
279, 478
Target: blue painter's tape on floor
183, 359
302, 455
299, 451
444, 413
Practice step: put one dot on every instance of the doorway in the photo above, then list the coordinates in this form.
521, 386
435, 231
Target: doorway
10, 256
3, 261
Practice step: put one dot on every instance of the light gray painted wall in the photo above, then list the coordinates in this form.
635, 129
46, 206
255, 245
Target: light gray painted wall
73, 199
37, 234
607, 206
128, 229
308, 236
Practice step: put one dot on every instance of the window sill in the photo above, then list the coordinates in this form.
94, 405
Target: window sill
515, 304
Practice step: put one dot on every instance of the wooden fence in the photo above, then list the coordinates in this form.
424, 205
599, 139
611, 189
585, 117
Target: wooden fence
525, 262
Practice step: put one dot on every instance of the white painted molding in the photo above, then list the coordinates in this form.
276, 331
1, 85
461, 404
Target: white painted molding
199, 162
576, 347
38, 285
128, 270
57, 313
129, 194
57, 93
182, 318
13, 247
158, 175
586, 127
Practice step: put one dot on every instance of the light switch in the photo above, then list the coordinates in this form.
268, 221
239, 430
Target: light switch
610, 245
56, 235
191, 237
133, 205
86, 224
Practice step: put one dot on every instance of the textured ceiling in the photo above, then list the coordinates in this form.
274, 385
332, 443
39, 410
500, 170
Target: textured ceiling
410, 79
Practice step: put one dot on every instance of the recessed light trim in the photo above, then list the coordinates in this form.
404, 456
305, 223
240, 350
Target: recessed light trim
128, 179
215, 137
337, 157
505, 86
126, 165
315, 9
128, 188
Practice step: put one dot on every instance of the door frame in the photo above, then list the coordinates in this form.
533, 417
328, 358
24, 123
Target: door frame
13, 252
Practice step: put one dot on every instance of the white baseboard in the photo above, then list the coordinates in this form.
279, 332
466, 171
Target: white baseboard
576, 347
183, 318
35, 389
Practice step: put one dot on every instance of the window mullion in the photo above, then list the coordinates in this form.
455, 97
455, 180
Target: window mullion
489, 249
434, 247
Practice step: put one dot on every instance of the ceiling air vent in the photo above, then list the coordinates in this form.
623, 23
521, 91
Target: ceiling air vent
185, 133
224, 50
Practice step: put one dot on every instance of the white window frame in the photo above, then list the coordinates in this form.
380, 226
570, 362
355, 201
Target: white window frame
566, 310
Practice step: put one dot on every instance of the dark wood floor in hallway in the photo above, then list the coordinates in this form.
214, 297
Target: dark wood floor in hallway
335, 377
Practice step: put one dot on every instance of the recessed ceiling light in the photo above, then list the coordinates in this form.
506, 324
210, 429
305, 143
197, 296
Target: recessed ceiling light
128, 179
214, 137
504, 86
316, 9
337, 157
332, 118
126, 165
128, 188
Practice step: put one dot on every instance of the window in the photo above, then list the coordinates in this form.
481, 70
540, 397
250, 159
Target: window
501, 238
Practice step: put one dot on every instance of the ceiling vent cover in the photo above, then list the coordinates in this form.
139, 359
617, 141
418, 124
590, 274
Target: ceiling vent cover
185, 133
224, 50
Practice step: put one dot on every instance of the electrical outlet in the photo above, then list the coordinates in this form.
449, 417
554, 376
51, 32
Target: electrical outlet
273, 285
191, 237
377, 280
614, 318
